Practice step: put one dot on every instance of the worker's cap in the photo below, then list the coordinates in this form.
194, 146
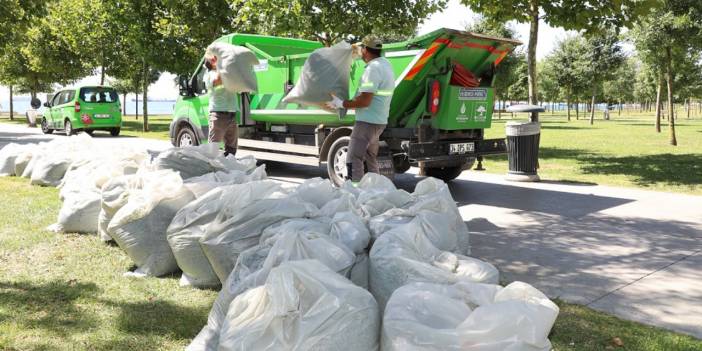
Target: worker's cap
372, 42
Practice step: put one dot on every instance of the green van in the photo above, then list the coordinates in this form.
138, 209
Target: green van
87, 108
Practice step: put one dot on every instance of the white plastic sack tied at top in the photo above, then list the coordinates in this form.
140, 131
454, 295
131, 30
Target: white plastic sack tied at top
81, 189
376, 194
194, 161
431, 194
235, 65
468, 316
249, 209
139, 227
293, 240
327, 70
303, 306
9, 155
190, 223
407, 254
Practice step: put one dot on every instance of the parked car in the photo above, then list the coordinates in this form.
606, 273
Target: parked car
87, 109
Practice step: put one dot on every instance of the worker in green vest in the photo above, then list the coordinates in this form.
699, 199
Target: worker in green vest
372, 105
222, 109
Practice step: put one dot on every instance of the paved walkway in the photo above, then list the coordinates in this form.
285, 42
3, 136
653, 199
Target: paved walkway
635, 254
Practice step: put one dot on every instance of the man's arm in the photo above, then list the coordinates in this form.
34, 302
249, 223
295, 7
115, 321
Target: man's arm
363, 100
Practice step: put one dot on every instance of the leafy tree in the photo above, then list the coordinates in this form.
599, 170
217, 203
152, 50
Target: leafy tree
589, 15
618, 88
331, 21
604, 56
671, 30
568, 66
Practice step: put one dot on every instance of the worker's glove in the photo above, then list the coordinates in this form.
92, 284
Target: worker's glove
335, 103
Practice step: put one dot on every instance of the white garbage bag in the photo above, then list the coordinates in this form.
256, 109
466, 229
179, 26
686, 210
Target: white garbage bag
304, 305
295, 240
139, 227
23, 159
407, 254
194, 161
376, 194
350, 230
115, 194
317, 191
359, 271
201, 185
79, 212
326, 71
48, 171
184, 234
8, 156
235, 65
468, 316
250, 208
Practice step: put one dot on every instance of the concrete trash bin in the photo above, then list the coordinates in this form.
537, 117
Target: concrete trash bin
523, 151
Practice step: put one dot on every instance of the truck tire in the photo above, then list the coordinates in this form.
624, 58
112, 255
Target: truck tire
45, 127
186, 137
336, 160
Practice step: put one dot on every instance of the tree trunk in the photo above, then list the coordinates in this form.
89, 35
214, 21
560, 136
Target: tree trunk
124, 106
145, 98
620, 108
531, 56
577, 110
592, 106
688, 107
568, 104
499, 109
136, 106
658, 103
102, 75
12, 106
669, 80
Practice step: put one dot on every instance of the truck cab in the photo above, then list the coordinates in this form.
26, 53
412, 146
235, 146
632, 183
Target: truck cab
442, 103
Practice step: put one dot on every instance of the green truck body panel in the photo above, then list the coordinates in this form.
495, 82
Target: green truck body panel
99, 108
415, 62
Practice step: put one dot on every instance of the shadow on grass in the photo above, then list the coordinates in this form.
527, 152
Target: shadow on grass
52, 306
161, 318
683, 169
548, 126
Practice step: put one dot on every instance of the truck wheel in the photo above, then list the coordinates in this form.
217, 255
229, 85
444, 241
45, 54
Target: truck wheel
336, 160
68, 128
45, 127
115, 131
88, 131
446, 174
186, 137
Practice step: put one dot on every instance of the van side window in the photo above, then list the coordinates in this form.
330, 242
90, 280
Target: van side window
70, 95
200, 88
56, 100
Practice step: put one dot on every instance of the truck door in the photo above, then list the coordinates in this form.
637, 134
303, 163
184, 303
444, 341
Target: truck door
55, 111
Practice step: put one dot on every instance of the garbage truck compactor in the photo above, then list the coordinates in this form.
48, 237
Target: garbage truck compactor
441, 105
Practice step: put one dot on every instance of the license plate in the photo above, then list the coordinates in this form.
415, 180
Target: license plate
98, 115
461, 148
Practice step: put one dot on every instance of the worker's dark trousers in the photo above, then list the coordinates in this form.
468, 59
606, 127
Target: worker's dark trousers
364, 147
223, 127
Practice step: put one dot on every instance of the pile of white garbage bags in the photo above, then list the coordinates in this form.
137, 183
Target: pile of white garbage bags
468, 316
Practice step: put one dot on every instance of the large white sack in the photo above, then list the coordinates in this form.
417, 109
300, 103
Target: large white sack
376, 194
250, 208
303, 306
23, 159
114, 194
468, 316
317, 191
8, 155
200, 185
407, 254
235, 65
295, 240
48, 171
139, 227
194, 161
326, 70
37, 152
79, 212
350, 230
359, 271
184, 234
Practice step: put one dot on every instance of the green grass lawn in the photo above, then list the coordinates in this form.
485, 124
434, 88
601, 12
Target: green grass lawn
624, 151
67, 292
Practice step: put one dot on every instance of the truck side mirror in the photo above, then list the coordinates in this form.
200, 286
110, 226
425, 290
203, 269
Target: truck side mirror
185, 88
47, 104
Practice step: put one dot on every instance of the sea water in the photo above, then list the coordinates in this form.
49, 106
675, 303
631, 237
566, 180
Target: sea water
21, 105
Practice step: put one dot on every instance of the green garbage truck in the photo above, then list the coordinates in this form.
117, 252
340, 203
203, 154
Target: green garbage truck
442, 103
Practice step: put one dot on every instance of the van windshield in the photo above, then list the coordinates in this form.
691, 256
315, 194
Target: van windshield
98, 95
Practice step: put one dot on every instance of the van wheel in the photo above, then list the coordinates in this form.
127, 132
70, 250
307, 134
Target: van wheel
186, 137
446, 174
88, 131
68, 128
114, 132
45, 127
336, 160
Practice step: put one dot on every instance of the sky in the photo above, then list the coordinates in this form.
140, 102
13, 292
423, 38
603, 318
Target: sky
455, 16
